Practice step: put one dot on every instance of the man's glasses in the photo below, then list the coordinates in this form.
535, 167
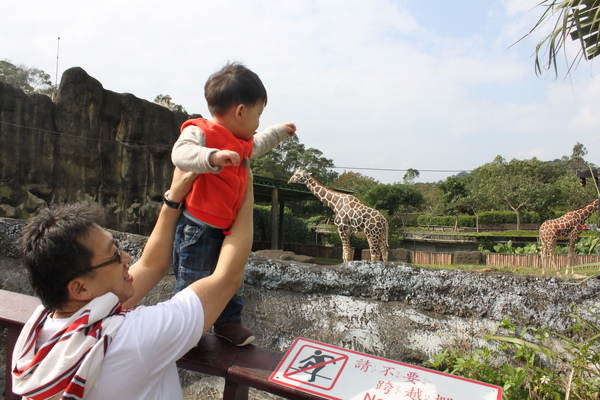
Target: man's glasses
115, 259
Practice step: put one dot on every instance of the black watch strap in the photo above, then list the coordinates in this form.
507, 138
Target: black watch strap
172, 204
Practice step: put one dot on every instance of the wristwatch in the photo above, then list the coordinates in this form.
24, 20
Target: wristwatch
172, 204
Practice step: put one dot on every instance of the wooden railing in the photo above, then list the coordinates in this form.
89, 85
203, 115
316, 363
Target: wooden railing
555, 261
242, 367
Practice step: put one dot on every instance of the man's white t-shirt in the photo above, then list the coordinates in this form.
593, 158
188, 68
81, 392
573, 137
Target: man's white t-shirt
140, 361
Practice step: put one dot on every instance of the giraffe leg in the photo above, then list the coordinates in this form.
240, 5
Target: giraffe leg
383, 243
571, 259
346, 250
384, 250
548, 245
374, 247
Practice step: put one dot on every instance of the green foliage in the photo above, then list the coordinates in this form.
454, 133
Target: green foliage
30, 80
393, 198
403, 219
532, 370
569, 19
454, 190
166, 100
447, 220
587, 245
334, 240
507, 217
296, 229
507, 248
410, 176
518, 186
485, 217
355, 182
288, 156
475, 364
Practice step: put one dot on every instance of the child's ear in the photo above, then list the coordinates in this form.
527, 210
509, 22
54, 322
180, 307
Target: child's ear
239, 110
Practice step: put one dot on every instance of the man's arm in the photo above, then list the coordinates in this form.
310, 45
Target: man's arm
216, 290
156, 257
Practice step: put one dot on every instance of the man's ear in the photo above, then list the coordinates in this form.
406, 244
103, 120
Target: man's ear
78, 290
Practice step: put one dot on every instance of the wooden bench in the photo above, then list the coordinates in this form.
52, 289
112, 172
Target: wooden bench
242, 367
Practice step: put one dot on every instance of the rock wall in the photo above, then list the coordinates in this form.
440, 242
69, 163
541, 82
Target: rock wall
89, 144
392, 310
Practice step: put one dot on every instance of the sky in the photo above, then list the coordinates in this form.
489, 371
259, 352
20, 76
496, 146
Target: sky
378, 86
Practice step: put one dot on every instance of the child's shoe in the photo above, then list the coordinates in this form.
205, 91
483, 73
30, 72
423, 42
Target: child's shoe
235, 333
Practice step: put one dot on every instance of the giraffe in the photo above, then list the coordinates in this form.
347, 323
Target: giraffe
351, 217
568, 226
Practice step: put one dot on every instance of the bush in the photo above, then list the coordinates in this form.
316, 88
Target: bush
485, 217
497, 217
447, 220
533, 370
296, 229
355, 242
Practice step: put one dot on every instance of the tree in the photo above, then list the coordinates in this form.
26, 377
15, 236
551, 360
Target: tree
288, 156
479, 198
354, 181
433, 198
579, 19
394, 198
167, 101
410, 176
576, 161
29, 80
522, 185
454, 190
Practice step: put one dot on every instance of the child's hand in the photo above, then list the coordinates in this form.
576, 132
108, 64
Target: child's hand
224, 158
290, 129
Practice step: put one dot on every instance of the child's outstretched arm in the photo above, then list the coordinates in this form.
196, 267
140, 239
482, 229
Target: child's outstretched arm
270, 137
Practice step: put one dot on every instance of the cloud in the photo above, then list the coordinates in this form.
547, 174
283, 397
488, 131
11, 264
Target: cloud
378, 84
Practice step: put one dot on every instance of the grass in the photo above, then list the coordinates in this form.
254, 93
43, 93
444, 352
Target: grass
578, 272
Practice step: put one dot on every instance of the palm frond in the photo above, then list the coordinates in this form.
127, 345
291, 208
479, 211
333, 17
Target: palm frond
574, 19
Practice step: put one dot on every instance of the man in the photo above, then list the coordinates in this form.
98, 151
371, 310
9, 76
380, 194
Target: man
83, 341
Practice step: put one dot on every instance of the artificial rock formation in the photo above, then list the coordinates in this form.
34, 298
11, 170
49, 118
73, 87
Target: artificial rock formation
89, 144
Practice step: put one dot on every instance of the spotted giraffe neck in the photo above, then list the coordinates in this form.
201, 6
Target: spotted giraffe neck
321, 191
584, 212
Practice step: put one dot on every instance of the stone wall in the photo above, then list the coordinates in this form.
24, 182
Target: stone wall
392, 310
89, 144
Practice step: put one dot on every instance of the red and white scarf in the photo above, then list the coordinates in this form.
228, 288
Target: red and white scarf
69, 363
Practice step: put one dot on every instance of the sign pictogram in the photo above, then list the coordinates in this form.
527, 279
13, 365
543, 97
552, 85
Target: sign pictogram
340, 374
316, 367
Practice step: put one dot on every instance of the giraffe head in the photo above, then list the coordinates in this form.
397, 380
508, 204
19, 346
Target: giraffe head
300, 176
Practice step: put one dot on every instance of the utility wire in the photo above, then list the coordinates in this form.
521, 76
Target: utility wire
404, 170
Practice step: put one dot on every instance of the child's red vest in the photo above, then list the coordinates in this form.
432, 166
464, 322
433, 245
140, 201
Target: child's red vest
216, 198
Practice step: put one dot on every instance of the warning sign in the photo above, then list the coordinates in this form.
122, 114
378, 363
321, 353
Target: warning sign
341, 374
316, 367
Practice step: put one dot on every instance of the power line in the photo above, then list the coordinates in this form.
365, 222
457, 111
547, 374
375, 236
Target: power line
404, 170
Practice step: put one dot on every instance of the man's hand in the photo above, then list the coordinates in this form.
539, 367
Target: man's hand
224, 158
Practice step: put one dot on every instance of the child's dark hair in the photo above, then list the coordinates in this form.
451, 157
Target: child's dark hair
232, 85
51, 249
